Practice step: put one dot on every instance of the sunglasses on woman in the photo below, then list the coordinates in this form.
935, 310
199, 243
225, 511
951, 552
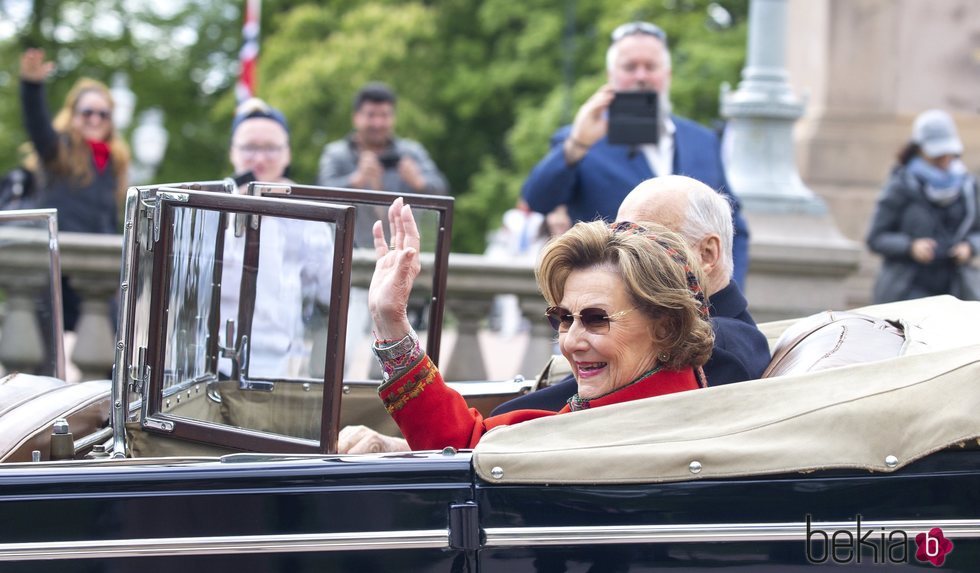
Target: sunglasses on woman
100, 113
595, 320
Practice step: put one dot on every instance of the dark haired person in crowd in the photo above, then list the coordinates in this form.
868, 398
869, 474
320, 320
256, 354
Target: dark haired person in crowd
372, 157
925, 224
592, 176
79, 160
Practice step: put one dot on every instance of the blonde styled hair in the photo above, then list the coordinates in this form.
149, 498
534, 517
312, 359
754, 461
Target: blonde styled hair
657, 284
73, 159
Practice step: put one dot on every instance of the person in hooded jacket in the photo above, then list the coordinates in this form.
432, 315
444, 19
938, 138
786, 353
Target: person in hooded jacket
925, 224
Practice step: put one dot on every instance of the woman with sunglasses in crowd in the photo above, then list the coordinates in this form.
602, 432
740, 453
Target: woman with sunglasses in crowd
78, 160
631, 320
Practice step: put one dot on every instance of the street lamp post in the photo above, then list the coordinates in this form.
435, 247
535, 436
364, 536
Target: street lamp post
124, 101
799, 258
149, 141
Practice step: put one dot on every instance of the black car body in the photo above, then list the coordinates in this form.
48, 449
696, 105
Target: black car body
862, 466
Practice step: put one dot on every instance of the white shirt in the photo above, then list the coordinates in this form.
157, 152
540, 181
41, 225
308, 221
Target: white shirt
295, 269
661, 156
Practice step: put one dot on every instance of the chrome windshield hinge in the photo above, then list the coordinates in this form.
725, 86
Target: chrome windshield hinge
144, 228
139, 373
169, 196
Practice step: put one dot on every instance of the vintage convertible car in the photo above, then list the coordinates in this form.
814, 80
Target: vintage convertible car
858, 448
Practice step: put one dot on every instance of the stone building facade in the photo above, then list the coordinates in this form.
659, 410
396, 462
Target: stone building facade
866, 68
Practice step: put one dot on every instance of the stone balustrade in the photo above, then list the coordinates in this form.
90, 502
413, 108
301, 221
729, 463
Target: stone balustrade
92, 262
782, 281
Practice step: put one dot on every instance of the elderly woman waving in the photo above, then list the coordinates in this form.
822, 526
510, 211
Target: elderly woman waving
629, 311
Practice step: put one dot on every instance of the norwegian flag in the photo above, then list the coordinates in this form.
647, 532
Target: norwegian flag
248, 57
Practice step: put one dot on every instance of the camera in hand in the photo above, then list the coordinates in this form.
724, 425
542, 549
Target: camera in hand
633, 118
244, 178
389, 158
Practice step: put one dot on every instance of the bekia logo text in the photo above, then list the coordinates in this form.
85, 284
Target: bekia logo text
875, 545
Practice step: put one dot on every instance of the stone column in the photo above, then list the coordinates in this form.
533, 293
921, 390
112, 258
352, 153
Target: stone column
92, 263
28, 337
466, 360
472, 283
93, 353
21, 343
540, 343
798, 258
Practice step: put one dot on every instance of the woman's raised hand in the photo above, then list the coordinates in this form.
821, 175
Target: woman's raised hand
394, 273
33, 66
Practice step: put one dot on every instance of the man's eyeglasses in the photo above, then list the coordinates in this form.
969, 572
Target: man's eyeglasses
630, 28
100, 113
255, 150
595, 320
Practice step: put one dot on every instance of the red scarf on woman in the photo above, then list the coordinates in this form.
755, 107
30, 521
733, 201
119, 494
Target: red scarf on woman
100, 154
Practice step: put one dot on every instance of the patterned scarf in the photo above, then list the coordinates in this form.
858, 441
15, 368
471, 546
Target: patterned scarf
692, 280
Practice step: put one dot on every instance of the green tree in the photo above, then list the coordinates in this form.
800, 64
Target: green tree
704, 55
481, 83
179, 58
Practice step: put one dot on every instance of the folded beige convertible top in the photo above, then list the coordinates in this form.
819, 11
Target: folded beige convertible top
876, 416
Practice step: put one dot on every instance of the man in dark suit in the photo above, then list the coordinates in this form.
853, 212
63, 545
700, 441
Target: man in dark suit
592, 176
704, 219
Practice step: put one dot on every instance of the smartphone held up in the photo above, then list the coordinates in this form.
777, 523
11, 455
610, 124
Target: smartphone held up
633, 118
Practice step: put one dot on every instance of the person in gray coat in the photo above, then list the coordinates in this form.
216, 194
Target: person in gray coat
925, 224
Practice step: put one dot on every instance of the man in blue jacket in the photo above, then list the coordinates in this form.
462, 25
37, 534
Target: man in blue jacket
592, 176
703, 218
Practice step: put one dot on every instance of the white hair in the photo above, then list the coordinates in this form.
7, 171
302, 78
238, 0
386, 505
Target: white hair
612, 51
710, 212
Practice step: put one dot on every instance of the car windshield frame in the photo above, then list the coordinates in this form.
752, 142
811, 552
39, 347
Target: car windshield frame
149, 373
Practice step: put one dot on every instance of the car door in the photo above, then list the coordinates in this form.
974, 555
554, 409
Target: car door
778, 523
243, 512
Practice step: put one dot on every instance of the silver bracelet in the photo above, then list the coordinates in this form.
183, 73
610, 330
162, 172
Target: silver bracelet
397, 357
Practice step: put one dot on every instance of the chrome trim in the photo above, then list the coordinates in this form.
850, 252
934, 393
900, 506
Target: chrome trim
174, 196
128, 288
263, 189
169, 546
57, 311
90, 440
699, 533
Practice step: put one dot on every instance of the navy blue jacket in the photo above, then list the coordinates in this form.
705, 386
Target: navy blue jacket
741, 352
596, 185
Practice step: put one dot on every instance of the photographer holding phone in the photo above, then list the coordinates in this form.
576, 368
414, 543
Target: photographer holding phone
590, 173
372, 157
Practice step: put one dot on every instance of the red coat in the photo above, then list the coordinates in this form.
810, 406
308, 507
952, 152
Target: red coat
432, 415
